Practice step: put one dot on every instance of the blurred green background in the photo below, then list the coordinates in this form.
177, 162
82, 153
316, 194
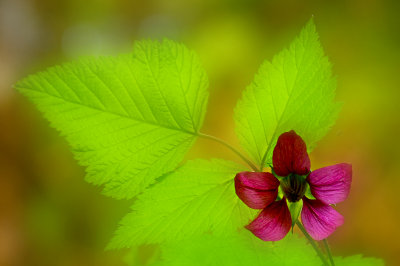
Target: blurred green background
50, 216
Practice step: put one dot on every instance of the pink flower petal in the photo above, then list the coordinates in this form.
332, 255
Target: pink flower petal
273, 223
256, 189
290, 155
331, 184
320, 220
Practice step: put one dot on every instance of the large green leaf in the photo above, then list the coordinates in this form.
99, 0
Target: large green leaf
239, 249
244, 249
296, 91
129, 119
199, 197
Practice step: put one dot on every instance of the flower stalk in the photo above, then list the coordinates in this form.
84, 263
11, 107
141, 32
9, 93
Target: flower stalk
328, 251
252, 166
313, 244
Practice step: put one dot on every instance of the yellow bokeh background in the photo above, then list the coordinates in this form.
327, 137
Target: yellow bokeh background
50, 216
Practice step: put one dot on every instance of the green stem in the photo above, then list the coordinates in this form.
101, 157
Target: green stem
229, 147
328, 250
313, 244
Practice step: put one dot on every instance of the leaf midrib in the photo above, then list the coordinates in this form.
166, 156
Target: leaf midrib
286, 104
108, 112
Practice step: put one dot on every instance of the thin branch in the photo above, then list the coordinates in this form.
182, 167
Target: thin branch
313, 244
252, 166
328, 250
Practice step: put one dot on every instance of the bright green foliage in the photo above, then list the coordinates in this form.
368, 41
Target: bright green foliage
241, 249
199, 197
296, 91
129, 119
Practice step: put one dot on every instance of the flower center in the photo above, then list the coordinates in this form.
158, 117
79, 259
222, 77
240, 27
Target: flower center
294, 187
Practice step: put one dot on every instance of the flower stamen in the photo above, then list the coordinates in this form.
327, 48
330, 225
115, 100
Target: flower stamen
294, 187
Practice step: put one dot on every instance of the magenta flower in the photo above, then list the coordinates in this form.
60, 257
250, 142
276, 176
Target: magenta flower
291, 182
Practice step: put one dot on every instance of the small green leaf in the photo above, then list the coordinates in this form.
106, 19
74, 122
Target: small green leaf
129, 119
199, 197
294, 92
295, 209
308, 193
